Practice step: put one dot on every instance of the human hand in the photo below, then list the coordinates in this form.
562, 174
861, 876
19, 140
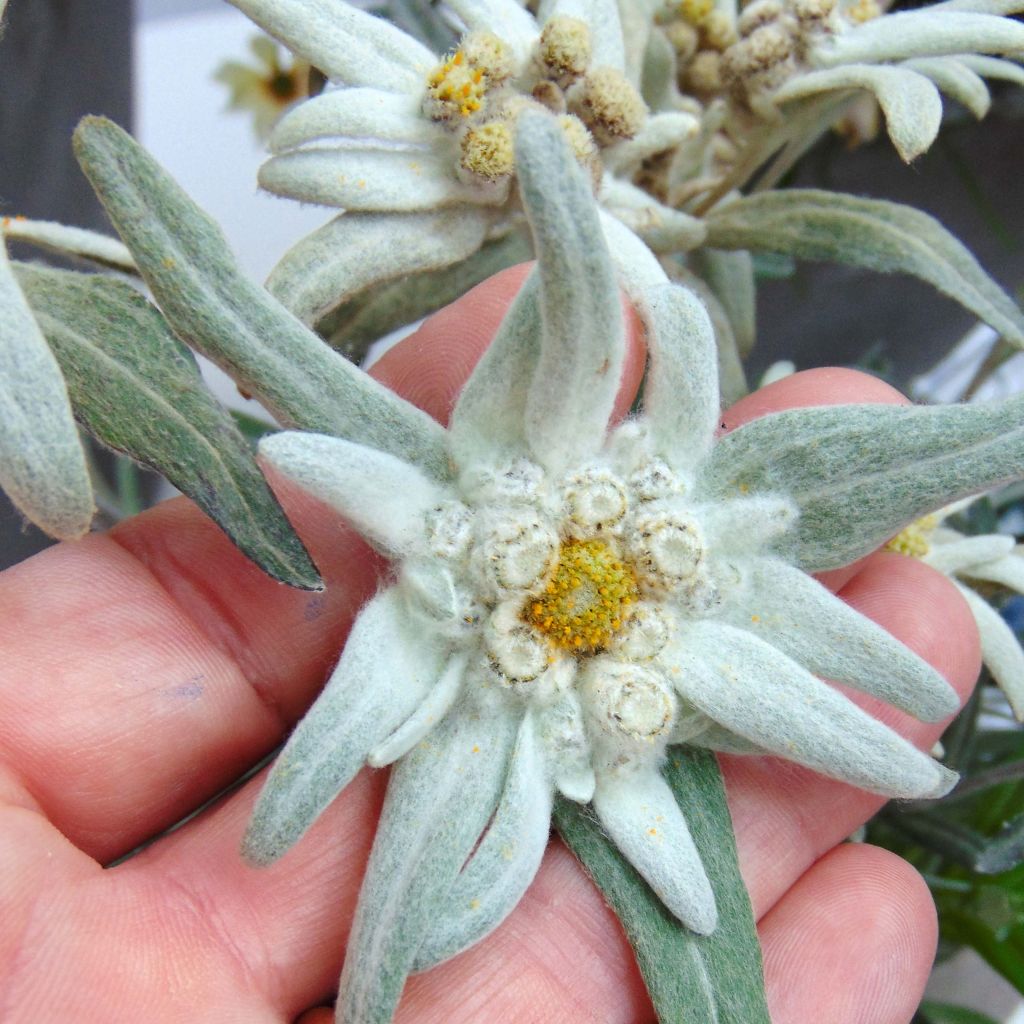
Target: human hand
147, 668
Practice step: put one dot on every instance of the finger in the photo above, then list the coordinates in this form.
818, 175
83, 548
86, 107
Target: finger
852, 942
147, 668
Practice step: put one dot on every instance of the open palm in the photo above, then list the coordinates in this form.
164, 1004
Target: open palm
147, 668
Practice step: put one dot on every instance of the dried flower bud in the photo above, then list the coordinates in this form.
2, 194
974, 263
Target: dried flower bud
564, 47
704, 74
609, 105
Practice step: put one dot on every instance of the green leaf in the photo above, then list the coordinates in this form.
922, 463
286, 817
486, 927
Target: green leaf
213, 307
77, 243
947, 1013
886, 466
152, 404
872, 233
1002, 949
42, 465
690, 977
730, 275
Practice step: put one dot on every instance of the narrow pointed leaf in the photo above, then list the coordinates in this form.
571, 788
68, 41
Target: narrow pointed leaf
1007, 572
795, 614
385, 670
42, 465
993, 67
68, 241
212, 306
503, 865
885, 466
355, 251
385, 498
947, 1013
154, 406
344, 42
583, 343
882, 236
1000, 650
959, 555
718, 977
957, 80
753, 689
730, 275
438, 803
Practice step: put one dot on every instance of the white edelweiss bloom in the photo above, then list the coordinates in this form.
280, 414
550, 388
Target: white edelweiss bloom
991, 558
417, 147
568, 600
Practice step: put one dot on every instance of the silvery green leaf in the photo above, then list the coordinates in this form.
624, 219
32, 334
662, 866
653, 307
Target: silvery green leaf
356, 250
732, 380
885, 466
960, 555
911, 103
428, 713
439, 801
344, 42
583, 345
636, 266
956, 80
363, 114
730, 275
508, 21
1000, 649
922, 33
42, 465
873, 233
657, 225
639, 812
756, 691
386, 669
67, 241
715, 977
211, 305
660, 133
681, 393
154, 406
503, 865
489, 418
658, 78
384, 497
602, 17
353, 326
993, 67
383, 180
795, 614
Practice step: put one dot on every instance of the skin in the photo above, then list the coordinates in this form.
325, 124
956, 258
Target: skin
146, 668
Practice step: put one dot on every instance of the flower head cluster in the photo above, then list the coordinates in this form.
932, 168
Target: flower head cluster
569, 601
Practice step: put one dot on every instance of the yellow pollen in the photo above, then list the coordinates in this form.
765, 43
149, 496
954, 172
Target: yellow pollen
864, 10
587, 599
914, 540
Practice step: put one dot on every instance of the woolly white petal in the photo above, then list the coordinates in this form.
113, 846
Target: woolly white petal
956, 80
960, 555
602, 16
372, 180
1007, 571
347, 44
994, 67
505, 18
567, 750
912, 105
681, 395
659, 226
503, 865
385, 498
1000, 650
431, 710
583, 345
364, 114
386, 668
439, 801
637, 267
791, 611
755, 690
660, 133
640, 814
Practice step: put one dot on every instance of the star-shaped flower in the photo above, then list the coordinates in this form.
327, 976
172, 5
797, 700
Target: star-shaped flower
567, 601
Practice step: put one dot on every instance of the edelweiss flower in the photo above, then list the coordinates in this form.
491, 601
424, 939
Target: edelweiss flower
569, 601
970, 561
417, 147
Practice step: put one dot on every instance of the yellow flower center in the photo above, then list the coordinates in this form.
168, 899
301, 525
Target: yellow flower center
914, 540
587, 600
458, 84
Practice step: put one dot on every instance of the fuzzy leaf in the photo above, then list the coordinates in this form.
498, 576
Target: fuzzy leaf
911, 103
67, 241
956, 80
386, 668
583, 345
1000, 650
355, 251
439, 801
885, 466
872, 233
715, 978
212, 306
730, 275
42, 465
154, 406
